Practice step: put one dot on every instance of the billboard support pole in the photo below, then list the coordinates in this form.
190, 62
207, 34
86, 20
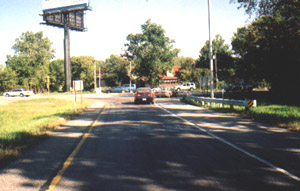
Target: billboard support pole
67, 60
70, 16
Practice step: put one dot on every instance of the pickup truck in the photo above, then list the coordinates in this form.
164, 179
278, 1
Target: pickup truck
18, 92
185, 86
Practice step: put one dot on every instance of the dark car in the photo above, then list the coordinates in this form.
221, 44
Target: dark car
144, 95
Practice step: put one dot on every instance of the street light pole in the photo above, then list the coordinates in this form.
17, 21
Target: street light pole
210, 56
100, 79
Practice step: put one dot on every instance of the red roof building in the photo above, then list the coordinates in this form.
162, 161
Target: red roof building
171, 78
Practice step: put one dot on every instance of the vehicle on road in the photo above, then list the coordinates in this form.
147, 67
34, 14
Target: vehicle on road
117, 89
144, 95
18, 92
185, 86
127, 87
162, 92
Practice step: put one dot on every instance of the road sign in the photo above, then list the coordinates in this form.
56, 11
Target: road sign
251, 103
78, 85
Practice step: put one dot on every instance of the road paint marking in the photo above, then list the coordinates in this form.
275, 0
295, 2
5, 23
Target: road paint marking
69, 160
276, 168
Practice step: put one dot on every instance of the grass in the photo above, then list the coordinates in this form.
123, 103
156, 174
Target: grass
277, 115
25, 122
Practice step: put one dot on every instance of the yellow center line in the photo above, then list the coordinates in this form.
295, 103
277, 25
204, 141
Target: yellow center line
69, 160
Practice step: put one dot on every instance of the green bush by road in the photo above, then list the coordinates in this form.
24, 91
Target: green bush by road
25, 122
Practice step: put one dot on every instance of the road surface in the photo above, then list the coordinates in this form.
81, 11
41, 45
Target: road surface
169, 146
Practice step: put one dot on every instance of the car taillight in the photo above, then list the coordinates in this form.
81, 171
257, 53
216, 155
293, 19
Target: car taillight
151, 95
136, 95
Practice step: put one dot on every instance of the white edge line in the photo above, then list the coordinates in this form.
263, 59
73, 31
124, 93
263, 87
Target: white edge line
276, 168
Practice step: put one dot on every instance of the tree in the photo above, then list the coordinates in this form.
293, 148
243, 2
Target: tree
153, 52
83, 69
8, 79
185, 63
249, 46
270, 44
188, 71
116, 70
225, 63
273, 8
31, 59
57, 75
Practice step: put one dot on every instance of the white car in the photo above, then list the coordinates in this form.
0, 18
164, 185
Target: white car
18, 92
185, 86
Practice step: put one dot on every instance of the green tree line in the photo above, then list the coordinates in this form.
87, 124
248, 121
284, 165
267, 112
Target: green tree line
268, 48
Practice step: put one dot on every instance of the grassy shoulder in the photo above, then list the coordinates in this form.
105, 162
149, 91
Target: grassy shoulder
277, 115
25, 122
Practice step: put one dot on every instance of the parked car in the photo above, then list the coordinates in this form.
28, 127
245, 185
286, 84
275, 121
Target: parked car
127, 87
117, 89
185, 86
162, 92
144, 94
18, 92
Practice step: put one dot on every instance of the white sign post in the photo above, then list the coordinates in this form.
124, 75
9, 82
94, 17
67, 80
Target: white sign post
77, 86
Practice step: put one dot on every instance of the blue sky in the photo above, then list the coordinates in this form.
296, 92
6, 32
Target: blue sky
110, 21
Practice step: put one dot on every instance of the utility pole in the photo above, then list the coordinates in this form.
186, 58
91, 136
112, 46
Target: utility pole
210, 56
130, 78
216, 70
100, 80
95, 77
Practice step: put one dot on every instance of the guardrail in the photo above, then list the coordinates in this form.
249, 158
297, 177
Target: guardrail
221, 101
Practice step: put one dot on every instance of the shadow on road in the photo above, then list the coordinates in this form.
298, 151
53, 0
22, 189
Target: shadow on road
141, 147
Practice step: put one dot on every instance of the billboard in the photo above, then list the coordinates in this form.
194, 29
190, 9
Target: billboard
60, 5
74, 19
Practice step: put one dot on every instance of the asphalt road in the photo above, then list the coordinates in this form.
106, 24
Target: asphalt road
163, 147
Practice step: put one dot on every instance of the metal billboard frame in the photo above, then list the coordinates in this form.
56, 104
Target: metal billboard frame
71, 17
74, 19
61, 5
